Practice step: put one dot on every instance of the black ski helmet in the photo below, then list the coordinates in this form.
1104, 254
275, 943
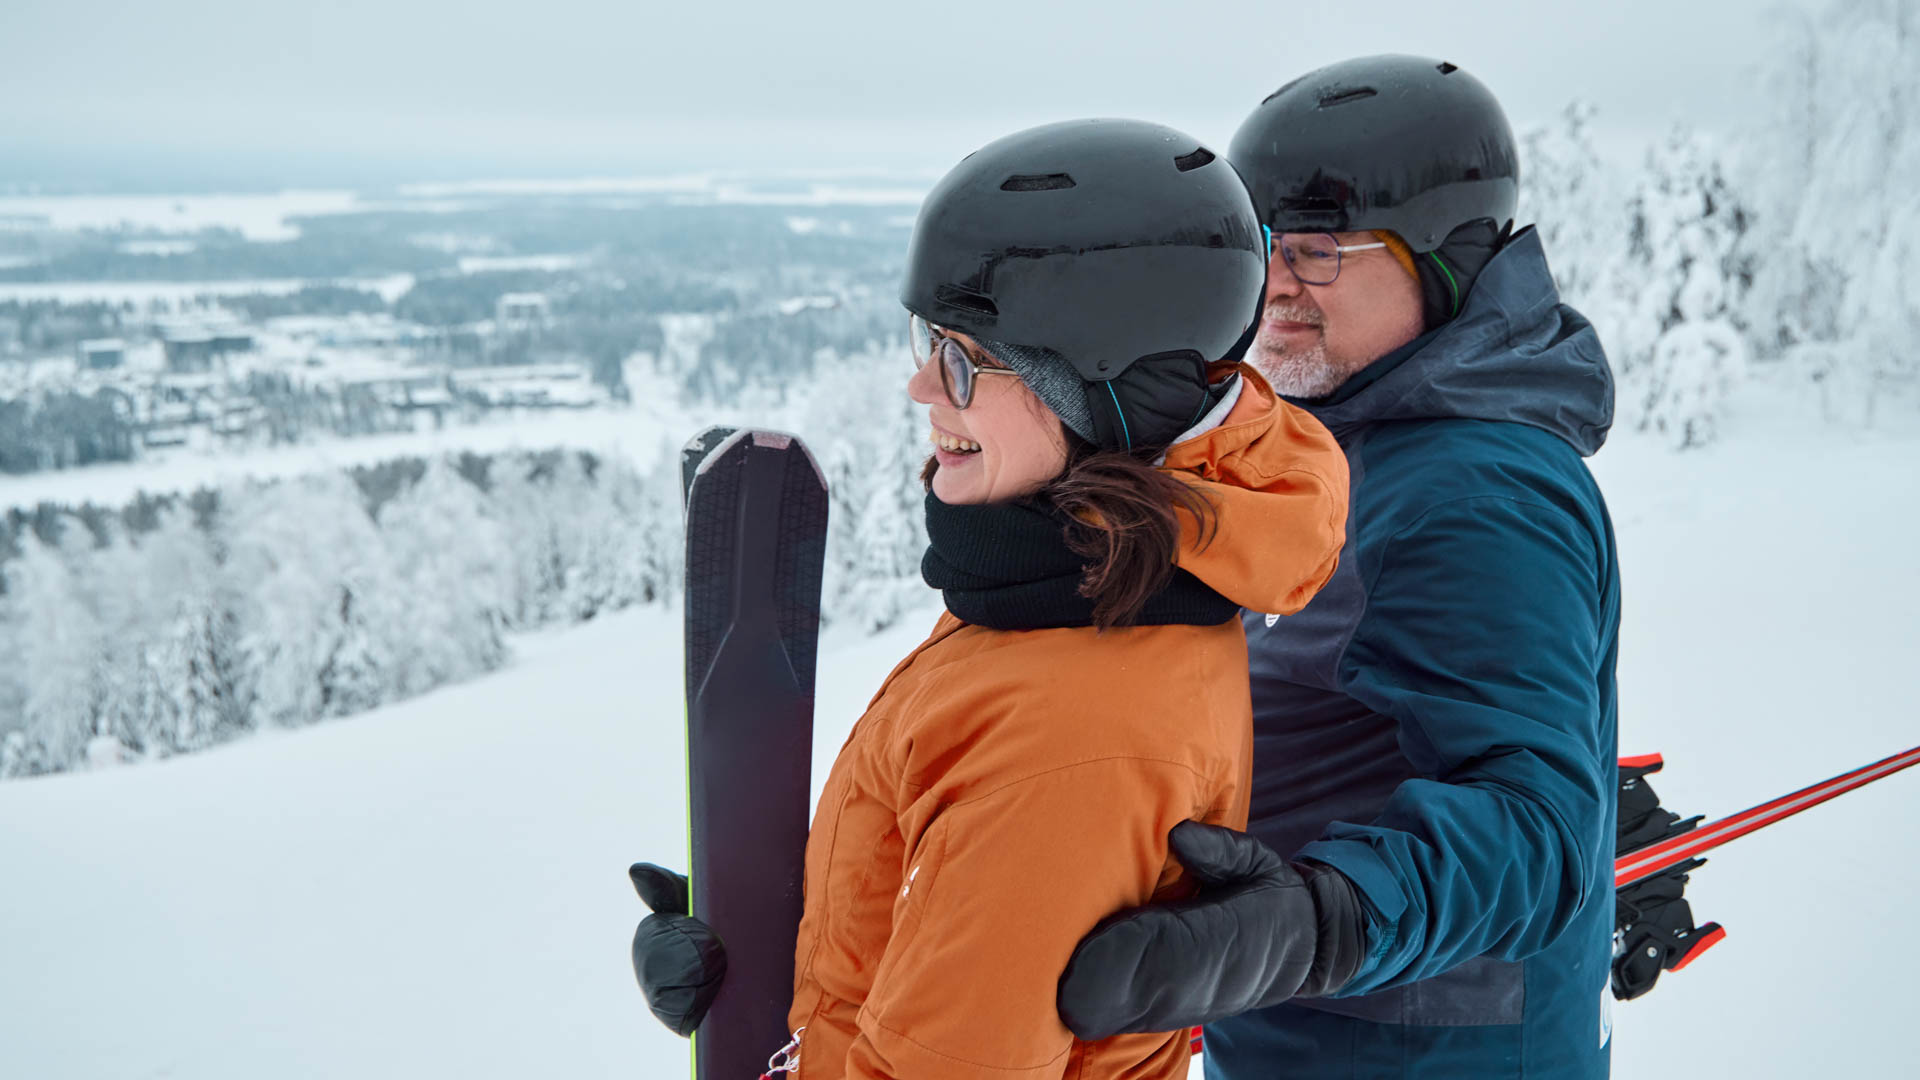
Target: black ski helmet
1120, 253
1403, 143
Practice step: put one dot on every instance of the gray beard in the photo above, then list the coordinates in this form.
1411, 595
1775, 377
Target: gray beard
1304, 374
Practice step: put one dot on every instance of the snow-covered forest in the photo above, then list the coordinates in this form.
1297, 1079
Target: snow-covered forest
1791, 250
176, 622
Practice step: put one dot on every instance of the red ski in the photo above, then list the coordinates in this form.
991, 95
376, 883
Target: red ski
1648, 861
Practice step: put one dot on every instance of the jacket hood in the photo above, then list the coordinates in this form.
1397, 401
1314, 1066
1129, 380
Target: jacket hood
1514, 353
1277, 480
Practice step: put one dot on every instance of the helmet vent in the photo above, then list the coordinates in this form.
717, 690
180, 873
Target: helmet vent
1346, 97
1448, 69
967, 300
1050, 182
1190, 162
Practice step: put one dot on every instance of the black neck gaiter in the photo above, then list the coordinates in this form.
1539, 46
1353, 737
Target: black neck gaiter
1007, 566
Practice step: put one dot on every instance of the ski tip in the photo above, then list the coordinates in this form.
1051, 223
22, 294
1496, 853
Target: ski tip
703, 443
728, 438
696, 451
780, 440
764, 438
1648, 762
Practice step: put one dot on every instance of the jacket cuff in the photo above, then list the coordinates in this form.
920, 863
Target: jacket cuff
1341, 930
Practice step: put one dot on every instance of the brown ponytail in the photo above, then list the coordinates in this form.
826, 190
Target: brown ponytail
1127, 524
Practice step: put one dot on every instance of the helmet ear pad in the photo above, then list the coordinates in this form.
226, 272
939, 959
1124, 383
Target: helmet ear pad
1150, 403
1448, 272
1160, 396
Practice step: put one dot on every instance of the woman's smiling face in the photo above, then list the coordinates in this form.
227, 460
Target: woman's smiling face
1004, 445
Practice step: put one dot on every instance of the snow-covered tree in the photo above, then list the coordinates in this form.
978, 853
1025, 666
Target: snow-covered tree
14, 757
586, 535
115, 588
1576, 202
56, 642
193, 670
319, 598
453, 563
871, 442
1837, 292
1678, 345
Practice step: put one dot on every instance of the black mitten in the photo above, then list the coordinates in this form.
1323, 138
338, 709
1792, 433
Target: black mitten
678, 959
1262, 930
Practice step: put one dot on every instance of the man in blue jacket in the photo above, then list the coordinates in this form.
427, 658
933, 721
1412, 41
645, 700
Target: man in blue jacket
1426, 886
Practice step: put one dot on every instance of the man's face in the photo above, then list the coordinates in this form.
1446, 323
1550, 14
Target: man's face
1315, 337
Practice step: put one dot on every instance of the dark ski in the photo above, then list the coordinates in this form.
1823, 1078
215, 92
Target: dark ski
756, 540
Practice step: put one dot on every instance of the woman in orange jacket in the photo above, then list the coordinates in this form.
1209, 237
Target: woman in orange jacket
1110, 486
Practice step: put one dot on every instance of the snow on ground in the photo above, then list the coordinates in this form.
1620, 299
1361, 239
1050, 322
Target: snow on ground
1772, 614
436, 888
479, 264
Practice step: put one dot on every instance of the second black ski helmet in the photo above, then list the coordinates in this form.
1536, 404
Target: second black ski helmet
1403, 143
1108, 262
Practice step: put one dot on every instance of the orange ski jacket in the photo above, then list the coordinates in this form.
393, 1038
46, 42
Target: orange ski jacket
1006, 790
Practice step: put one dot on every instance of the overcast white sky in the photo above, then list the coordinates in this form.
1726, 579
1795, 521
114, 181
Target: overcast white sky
267, 92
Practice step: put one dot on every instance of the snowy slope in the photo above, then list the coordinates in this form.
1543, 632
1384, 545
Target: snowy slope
1772, 617
437, 888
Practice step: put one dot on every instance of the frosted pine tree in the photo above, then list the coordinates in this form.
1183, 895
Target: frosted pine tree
1576, 203
195, 681
452, 560
1838, 297
117, 590
56, 641
317, 597
871, 441
522, 495
1680, 347
14, 757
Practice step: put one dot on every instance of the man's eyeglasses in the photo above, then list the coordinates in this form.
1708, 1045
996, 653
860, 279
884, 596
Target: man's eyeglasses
1314, 258
958, 368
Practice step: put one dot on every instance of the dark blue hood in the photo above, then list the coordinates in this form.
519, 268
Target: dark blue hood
1516, 353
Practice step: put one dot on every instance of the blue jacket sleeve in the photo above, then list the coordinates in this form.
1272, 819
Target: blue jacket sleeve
1485, 639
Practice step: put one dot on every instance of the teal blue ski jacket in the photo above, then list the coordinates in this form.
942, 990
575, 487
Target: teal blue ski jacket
1439, 723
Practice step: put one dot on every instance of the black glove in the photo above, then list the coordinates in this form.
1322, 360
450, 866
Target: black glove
678, 959
1261, 931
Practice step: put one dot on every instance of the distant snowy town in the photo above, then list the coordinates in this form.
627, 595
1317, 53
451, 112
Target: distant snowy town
212, 376
138, 325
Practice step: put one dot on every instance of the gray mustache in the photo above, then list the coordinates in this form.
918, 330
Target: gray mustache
1311, 318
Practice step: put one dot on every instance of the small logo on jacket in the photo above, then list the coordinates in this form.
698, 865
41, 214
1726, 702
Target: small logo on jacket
1271, 620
